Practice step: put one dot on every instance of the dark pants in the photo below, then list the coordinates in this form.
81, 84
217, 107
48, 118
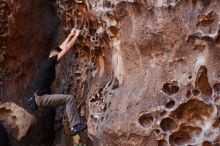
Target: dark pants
55, 100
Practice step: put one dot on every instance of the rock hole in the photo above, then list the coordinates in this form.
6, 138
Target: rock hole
109, 104
114, 30
171, 88
188, 94
216, 87
193, 111
157, 131
102, 118
162, 142
202, 82
170, 104
195, 92
207, 143
216, 123
104, 108
77, 74
184, 135
167, 124
107, 4
115, 84
145, 120
163, 113
100, 90
189, 77
93, 118
93, 99
181, 139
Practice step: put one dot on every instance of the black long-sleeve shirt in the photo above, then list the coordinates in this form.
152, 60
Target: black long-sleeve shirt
45, 76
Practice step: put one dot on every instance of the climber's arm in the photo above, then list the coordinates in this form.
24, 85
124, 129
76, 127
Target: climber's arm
67, 46
64, 44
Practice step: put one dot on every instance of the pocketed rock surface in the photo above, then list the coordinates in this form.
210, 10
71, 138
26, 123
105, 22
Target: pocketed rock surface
144, 73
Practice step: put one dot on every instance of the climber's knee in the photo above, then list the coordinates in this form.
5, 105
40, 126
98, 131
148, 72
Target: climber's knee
69, 97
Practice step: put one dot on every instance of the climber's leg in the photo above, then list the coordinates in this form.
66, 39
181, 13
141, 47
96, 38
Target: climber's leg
55, 100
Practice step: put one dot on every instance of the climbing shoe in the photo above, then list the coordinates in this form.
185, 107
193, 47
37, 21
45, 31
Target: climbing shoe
32, 104
78, 128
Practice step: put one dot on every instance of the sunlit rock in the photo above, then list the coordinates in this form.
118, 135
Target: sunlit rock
15, 119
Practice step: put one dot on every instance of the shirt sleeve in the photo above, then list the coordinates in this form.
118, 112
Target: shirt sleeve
52, 61
58, 49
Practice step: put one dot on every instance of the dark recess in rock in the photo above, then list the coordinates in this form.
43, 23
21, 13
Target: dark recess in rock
202, 82
193, 110
163, 113
170, 104
195, 92
184, 135
188, 93
145, 120
207, 143
157, 131
162, 143
167, 124
216, 87
115, 84
170, 88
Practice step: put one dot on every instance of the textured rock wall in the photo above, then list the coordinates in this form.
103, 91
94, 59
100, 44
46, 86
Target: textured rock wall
27, 30
149, 70
143, 72
4, 13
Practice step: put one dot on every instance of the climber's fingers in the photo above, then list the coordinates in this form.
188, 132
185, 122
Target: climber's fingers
77, 32
79, 1
73, 31
79, 26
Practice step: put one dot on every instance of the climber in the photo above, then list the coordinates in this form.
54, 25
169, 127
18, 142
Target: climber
45, 77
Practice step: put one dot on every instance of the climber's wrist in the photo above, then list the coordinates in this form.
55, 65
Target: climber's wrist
71, 35
75, 38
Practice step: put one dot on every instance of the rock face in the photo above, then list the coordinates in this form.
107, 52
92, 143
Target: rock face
27, 29
148, 70
144, 73
16, 120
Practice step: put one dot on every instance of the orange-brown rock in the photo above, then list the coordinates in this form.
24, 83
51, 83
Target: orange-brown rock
144, 73
16, 120
27, 28
153, 77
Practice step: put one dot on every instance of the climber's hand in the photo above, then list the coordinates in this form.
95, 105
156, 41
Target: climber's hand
68, 43
72, 32
77, 32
